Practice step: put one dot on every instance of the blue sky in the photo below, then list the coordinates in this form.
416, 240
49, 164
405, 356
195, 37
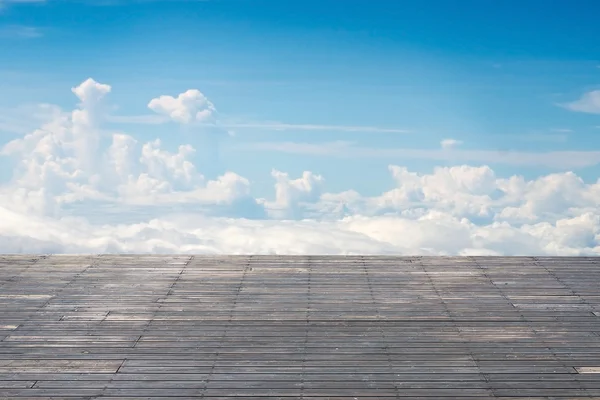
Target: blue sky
487, 73
343, 89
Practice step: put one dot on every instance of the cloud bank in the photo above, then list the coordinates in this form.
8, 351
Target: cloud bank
76, 190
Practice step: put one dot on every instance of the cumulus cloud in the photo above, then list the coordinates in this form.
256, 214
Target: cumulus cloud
189, 106
71, 192
90, 91
476, 193
588, 103
63, 162
290, 194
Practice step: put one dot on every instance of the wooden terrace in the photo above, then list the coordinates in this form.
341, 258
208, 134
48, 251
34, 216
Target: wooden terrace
299, 327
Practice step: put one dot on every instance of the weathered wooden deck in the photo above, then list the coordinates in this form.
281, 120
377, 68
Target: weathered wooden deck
299, 327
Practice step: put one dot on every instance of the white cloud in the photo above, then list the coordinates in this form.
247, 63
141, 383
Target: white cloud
433, 213
121, 155
434, 232
164, 165
66, 146
162, 177
450, 143
91, 92
588, 103
462, 209
63, 162
190, 106
291, 193
462, 191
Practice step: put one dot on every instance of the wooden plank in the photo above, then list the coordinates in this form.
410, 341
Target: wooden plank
143, 326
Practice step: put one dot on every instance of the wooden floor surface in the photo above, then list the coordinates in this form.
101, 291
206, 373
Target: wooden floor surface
150, 327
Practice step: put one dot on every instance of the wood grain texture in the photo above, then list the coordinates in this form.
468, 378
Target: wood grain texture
302, 327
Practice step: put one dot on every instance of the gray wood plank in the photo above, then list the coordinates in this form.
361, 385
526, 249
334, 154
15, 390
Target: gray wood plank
318, 327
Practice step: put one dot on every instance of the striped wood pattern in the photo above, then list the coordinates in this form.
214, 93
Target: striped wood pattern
312, 327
